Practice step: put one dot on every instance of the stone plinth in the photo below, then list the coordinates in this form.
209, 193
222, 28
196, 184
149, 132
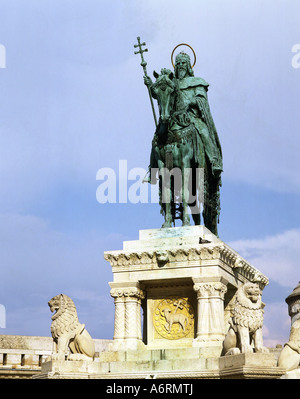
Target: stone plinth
250, 365
68, 369
182, 280
134, 364
164, 364
292, 375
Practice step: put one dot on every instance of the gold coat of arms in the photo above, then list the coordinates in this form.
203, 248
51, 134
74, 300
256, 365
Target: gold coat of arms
173, 318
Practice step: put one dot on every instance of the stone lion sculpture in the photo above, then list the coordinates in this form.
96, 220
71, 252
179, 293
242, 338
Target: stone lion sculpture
67, 332
289, 357
245, 325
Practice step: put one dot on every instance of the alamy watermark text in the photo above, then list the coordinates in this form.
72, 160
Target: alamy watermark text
296, 57
2, 316
2, 56
128, 186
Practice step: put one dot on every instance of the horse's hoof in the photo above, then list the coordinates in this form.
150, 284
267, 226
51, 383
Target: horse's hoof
166, 225
186, 222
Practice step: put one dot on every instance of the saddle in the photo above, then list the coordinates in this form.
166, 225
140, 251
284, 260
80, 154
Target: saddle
176, 137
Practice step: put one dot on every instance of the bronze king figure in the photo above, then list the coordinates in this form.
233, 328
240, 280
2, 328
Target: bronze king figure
186, 154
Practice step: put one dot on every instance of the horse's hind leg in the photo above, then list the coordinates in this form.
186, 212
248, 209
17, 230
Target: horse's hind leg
168, 216
196, 199
185, 196
166, 198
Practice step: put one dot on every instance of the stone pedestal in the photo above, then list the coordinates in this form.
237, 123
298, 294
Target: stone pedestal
292, 375
182, 279
173, 291
134, 364
249, 366
165, 364
69, 369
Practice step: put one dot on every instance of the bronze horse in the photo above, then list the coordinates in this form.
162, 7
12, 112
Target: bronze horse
178, 154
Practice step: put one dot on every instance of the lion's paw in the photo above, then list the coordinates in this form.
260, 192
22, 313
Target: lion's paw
233, 351
262, 349
58, 356
246, 348
79, 356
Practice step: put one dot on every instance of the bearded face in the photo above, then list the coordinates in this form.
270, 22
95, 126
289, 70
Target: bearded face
182, 69
182, 66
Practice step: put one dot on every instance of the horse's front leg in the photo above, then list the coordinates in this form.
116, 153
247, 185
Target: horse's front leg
168, 216
166, 196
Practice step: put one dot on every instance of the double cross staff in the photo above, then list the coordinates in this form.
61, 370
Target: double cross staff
143, 64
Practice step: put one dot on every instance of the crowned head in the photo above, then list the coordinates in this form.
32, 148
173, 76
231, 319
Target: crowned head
183, 66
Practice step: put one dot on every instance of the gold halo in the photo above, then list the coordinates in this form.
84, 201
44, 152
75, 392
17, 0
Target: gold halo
183, 44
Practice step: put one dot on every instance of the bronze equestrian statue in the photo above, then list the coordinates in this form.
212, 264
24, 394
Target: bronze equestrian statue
185, 141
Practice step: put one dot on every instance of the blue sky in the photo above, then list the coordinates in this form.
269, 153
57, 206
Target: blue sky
73, 101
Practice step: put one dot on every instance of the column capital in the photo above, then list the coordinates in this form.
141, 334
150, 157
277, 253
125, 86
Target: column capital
127, 292
210, 289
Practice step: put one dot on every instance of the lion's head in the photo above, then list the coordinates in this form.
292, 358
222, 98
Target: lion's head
252, 292
65, 317
248, 307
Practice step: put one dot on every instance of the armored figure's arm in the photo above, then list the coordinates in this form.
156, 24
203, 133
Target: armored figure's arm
148, 82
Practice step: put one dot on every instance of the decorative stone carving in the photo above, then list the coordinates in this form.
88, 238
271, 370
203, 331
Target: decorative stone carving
160, 263
127, 292
133, 258
162, 257
210, 326
245, 325
289, 357
67, 332
173, 318
238, 264
127, 328
156, 259
146, 258
205, 290
193, 254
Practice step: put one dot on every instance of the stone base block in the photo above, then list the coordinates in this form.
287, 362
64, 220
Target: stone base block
72, 369
250, 365
177, 283
208, 349
169, 363
166, 363
130, 369
291, 375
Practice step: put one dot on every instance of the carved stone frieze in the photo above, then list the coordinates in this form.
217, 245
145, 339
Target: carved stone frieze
133, 258
222, 254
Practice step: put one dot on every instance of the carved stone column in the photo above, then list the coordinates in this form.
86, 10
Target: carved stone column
128, 329
139, 317
133, 313
119, 326
210, 312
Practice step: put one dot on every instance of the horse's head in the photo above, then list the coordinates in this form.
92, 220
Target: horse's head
164, 87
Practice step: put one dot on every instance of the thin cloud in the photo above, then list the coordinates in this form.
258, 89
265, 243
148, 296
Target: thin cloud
276, 256
39, 263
